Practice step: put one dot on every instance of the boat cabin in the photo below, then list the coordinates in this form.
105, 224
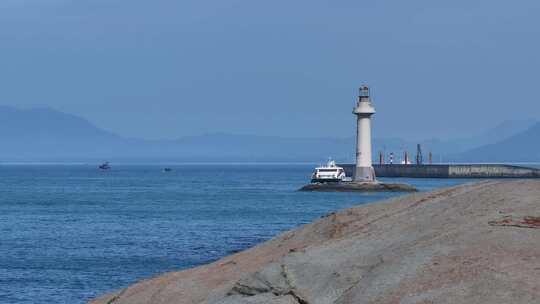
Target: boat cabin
329, 173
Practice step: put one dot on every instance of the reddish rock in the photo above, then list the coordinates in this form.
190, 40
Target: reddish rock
446, 246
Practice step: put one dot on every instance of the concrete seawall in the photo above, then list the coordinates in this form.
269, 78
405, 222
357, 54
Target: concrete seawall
451, 171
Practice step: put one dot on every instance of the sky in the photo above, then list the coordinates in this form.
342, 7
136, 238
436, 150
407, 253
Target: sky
166, 69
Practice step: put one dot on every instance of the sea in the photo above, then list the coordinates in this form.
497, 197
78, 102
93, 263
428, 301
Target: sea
71, 232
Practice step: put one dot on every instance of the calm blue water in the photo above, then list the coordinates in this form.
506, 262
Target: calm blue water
71, 232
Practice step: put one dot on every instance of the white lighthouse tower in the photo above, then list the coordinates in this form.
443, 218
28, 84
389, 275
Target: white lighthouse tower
363, 111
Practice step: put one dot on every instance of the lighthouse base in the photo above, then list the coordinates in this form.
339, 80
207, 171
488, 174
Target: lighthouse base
365, 175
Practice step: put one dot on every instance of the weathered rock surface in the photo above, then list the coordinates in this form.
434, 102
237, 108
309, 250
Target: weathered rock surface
454, 245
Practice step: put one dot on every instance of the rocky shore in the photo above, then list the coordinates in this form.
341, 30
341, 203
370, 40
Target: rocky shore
475, 243
358, 187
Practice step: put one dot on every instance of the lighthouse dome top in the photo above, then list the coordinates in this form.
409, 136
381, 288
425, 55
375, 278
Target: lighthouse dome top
364, 106
363, 91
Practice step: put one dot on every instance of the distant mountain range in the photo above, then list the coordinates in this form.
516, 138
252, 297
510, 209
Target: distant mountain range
49, 135
520, 147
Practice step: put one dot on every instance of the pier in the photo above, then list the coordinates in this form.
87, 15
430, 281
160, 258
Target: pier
450, 171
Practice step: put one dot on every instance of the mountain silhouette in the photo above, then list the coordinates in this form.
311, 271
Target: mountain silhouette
48, 135
521, 147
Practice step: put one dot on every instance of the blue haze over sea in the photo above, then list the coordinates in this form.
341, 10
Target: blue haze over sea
71, 232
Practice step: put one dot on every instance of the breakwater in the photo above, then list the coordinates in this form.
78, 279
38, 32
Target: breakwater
451, 171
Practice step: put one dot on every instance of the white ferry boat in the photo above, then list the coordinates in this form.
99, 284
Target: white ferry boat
330, 173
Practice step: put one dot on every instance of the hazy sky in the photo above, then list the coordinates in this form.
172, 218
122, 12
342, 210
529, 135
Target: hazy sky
164, 68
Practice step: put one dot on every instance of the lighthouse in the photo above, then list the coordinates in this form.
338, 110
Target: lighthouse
363, 111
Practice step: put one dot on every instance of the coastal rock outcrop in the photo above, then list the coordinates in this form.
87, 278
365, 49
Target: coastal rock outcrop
358, 187
475, 243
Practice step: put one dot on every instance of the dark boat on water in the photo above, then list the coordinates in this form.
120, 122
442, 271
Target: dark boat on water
167, 169
105, 166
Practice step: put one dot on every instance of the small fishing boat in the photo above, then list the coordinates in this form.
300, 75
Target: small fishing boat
104, 166
329, 173
167, 169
